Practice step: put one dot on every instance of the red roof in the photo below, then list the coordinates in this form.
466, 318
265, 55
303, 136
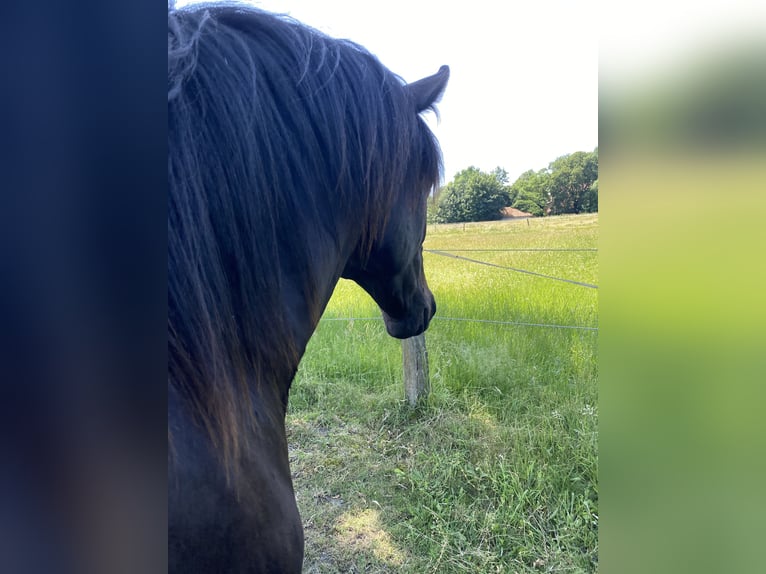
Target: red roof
513, 212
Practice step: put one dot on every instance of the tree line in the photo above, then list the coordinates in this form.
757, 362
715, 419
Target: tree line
568, 185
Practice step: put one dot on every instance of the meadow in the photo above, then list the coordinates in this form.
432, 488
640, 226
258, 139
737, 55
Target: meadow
497, 470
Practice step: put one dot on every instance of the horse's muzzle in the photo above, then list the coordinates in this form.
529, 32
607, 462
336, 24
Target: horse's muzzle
413, 323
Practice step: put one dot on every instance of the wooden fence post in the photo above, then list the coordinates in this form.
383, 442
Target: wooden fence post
415, 360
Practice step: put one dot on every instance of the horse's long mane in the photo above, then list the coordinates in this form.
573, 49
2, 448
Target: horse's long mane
274, 130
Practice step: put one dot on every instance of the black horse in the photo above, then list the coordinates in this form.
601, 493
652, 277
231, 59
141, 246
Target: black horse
294, 159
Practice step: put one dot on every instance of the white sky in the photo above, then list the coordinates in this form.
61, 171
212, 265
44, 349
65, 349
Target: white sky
524, 75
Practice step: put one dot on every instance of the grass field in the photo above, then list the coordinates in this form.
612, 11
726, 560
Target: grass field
497, 470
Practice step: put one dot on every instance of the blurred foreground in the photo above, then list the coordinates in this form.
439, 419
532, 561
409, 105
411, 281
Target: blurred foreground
682, 358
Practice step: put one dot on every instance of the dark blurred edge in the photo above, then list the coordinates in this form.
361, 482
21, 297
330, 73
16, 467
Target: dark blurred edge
82, 288
682, 315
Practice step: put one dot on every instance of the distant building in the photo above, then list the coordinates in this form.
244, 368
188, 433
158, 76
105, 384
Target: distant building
513, 213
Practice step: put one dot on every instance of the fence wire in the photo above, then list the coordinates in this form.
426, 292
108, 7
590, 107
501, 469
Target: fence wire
489, 321
467, 320
523, 249
453, 256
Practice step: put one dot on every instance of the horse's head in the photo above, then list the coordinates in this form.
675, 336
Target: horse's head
392, 271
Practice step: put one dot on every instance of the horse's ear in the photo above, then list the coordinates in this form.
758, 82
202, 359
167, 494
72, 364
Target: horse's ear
426, 92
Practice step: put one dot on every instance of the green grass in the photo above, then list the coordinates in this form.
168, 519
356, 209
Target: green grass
497, 470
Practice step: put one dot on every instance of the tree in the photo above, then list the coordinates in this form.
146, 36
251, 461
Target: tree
501, 175
590, 205
473, 196
571, 183
530, 192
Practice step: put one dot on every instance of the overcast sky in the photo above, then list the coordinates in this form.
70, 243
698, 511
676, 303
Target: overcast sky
524, 75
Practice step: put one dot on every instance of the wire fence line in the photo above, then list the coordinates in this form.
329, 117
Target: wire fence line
453, 256
521, 249
467, 320
518, 323
447, 253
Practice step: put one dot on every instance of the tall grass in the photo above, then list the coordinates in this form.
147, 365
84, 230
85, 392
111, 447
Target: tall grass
497, 470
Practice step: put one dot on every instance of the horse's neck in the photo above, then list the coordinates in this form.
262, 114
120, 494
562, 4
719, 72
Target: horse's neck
308, 285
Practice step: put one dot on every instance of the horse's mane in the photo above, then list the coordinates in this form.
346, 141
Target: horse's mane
274, 129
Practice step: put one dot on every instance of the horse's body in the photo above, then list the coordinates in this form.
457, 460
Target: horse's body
294, 160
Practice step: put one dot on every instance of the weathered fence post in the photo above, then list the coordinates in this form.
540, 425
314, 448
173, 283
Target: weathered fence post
415, 360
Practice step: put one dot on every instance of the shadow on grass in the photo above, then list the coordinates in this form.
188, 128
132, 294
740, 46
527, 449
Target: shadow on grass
446, 486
